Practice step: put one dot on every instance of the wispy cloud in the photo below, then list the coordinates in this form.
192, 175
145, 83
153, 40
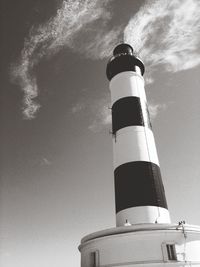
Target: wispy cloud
97, 111
102, 119
155, 109
73, 17
45, 162
78, 107
98, 44
167, 33
163, 32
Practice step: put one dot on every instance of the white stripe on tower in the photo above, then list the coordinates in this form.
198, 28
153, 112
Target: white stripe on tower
139, 192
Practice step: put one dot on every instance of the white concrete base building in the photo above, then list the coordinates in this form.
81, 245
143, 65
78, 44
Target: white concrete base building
144, 235
142, 245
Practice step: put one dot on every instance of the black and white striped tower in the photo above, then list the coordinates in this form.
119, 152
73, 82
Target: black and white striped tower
139, 191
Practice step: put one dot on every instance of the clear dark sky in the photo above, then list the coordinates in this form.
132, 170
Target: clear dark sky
56, 168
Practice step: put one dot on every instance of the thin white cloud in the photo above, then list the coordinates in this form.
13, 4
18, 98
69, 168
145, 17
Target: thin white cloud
167, 33
106, 117
163, 32
78, 107
155, 109
45, 161
103, 116
72, 18
97, 110
98, 45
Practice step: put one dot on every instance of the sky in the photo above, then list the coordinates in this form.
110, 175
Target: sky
56, 179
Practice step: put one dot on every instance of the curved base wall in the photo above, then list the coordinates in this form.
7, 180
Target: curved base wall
142, 245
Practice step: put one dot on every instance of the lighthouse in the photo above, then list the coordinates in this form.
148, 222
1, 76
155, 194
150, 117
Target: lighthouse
139, 191
144, 234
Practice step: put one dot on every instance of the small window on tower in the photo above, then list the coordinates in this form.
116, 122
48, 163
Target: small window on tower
94, 259
169, 252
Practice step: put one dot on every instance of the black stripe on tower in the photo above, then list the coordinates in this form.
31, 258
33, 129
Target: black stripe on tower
127, 111
137, 184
